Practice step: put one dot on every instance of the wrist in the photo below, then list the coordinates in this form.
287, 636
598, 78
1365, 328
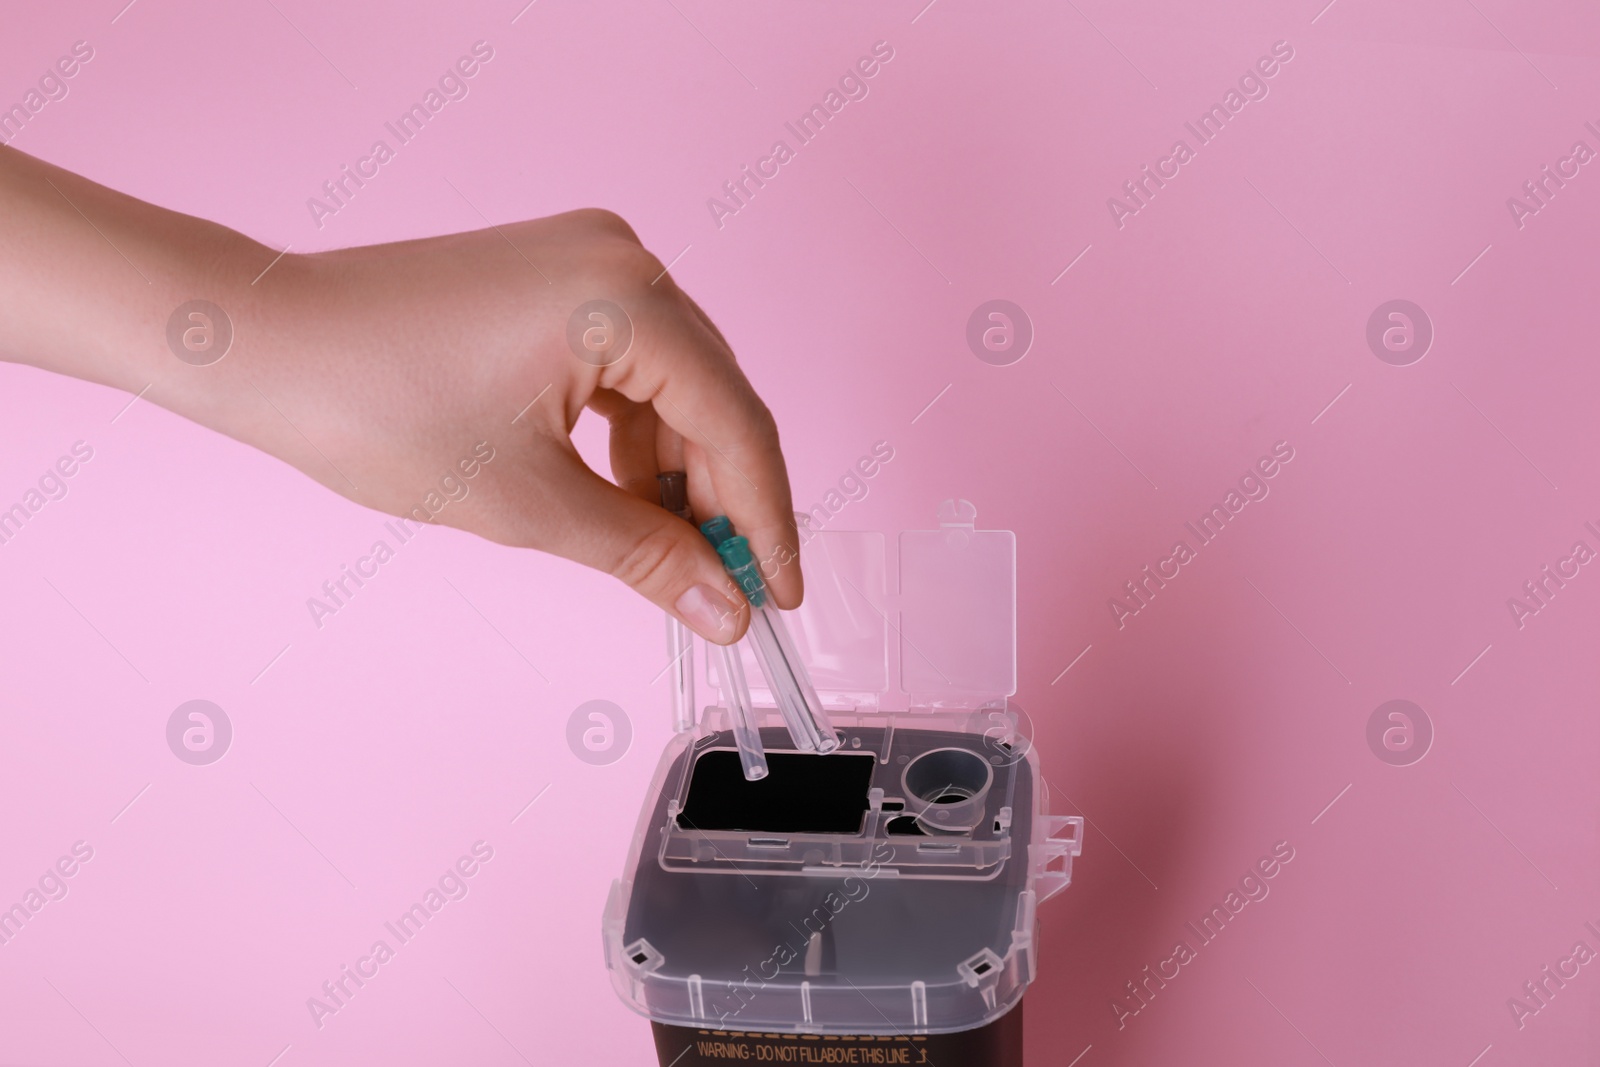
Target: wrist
203, 329
220, 344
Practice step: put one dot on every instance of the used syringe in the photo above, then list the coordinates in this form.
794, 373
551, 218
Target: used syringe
769, 636
680, 647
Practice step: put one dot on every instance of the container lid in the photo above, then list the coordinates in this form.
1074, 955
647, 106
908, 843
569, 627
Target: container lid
890, 887
861, 910
958, 611
942, 634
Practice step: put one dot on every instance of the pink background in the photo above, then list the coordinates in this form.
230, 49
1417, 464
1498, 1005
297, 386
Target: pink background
1224, 317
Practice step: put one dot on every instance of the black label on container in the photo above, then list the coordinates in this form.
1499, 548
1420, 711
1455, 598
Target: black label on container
998, 1044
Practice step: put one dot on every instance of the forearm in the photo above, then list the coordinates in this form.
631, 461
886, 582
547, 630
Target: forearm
383, 371
89, 278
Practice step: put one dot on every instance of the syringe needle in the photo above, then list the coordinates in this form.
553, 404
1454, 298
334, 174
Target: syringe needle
768, 634
745, 734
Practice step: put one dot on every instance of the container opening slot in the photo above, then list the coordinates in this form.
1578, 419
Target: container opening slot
803, 793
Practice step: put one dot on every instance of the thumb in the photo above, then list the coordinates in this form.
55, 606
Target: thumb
660, 556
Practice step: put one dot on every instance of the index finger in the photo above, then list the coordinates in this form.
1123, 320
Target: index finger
681, 366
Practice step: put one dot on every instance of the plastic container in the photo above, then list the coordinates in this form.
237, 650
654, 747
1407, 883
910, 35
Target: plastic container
874, 905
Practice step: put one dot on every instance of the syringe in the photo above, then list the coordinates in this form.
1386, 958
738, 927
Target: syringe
680, 647
769, 636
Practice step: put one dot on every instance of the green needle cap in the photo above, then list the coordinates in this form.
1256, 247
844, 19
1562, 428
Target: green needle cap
741, 565
717, 530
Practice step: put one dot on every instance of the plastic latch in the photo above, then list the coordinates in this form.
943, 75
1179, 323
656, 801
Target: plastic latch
982, 972
1053, 860
642, 956
957, 518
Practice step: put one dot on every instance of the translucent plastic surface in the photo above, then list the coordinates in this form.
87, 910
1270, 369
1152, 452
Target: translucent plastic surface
843, 929
889, 888
958, 611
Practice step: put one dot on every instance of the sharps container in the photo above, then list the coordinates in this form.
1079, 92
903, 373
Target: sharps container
877, 905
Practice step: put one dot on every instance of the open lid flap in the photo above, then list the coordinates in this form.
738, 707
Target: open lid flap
958, 611
841, 629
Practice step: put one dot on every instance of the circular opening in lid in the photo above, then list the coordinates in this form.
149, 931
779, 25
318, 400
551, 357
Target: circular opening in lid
948, 776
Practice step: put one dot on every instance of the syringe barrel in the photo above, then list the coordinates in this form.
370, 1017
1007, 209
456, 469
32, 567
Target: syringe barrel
791, 686
769, 636
745, 733
680, 653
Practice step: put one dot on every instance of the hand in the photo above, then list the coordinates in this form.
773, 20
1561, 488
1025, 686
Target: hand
379, 370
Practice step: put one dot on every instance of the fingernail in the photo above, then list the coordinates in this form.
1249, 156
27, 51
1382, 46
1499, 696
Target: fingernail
707, 612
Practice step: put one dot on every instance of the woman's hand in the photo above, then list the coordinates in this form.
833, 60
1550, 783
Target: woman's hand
387, 373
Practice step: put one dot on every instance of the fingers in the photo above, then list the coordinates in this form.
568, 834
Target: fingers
634, 430
702, 495
680, 366
704, 318
669, 447
666, 560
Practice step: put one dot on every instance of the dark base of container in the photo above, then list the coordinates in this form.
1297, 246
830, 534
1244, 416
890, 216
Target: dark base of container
997, 1044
